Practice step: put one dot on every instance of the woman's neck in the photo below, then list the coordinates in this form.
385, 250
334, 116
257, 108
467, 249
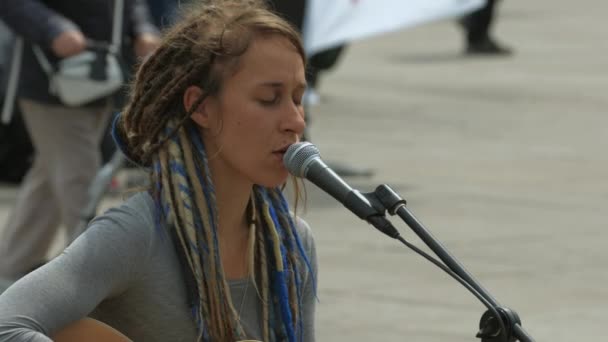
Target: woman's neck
232, 212
231, 200
232, 194
233, 228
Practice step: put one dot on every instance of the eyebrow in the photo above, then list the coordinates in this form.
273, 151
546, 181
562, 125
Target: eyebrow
274, 84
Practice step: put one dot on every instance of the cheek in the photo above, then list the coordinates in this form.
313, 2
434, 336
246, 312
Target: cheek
241, 139
239, 131
246, 131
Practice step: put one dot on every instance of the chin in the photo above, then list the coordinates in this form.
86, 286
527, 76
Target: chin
273, 180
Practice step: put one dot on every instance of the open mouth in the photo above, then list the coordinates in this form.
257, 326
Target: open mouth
281, 152
282, 149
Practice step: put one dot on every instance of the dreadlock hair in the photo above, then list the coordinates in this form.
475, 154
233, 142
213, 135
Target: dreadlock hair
155, 130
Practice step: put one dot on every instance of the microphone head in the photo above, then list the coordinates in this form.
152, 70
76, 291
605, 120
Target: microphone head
298, 158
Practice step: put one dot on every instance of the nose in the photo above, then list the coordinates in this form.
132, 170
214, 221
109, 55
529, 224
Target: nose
293, 120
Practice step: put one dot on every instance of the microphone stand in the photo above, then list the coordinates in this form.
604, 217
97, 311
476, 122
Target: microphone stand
507, 327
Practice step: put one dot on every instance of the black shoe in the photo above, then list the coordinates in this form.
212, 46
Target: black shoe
487, 47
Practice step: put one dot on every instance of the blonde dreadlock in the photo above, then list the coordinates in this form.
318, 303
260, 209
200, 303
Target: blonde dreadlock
156, 131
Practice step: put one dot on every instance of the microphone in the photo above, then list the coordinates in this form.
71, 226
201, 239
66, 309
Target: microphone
303, 160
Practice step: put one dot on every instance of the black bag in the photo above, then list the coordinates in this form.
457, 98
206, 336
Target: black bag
16, 151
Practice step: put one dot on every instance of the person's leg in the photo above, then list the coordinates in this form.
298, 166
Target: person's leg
478, 26
318, 63
78, 162
55, 190
478, 23
31, 226
292, 11
32, 223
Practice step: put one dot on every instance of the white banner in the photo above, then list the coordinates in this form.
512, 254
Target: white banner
332, 22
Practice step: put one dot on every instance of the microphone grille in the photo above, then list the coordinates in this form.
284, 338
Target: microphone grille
298, 156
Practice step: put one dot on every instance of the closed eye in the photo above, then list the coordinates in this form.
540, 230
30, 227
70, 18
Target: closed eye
269, 102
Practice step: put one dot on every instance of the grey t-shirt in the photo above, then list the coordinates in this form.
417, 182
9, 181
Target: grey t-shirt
125, 272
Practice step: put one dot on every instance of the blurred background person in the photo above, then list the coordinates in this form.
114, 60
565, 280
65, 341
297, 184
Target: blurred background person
162, 13
477, 26
294, 11
65, 138
318, 63
15, 146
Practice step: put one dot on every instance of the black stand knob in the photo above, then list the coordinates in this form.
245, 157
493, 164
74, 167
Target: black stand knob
489, 326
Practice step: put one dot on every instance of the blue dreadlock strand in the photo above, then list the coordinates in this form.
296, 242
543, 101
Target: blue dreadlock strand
285, 207
159, 213
209, 190
280, 279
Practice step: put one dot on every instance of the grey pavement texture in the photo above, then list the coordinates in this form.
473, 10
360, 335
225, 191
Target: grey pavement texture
503, 160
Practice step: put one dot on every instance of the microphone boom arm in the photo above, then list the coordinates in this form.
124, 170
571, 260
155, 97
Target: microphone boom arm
385, 198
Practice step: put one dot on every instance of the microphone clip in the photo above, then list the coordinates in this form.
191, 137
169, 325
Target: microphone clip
370, 207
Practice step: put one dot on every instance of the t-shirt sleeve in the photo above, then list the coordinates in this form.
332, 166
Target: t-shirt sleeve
99, 264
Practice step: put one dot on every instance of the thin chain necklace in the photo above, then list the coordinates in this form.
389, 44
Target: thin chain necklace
243, 301
250, 245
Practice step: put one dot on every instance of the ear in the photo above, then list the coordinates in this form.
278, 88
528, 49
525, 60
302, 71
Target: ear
201, 114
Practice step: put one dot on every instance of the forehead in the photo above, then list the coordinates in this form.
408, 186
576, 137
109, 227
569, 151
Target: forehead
270, 58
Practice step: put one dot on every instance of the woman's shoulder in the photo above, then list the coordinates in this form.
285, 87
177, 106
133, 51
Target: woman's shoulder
135, 216
138, 206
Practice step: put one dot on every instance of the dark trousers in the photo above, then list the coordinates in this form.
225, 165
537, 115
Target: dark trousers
478, 23
293, 12
290, 10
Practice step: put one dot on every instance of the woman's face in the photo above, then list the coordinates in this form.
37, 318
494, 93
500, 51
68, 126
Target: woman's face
257, 114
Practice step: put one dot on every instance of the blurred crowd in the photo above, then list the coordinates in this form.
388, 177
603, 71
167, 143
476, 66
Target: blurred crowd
54, 149
15, 146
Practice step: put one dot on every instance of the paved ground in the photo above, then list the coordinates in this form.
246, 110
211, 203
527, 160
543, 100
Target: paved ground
503, 160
